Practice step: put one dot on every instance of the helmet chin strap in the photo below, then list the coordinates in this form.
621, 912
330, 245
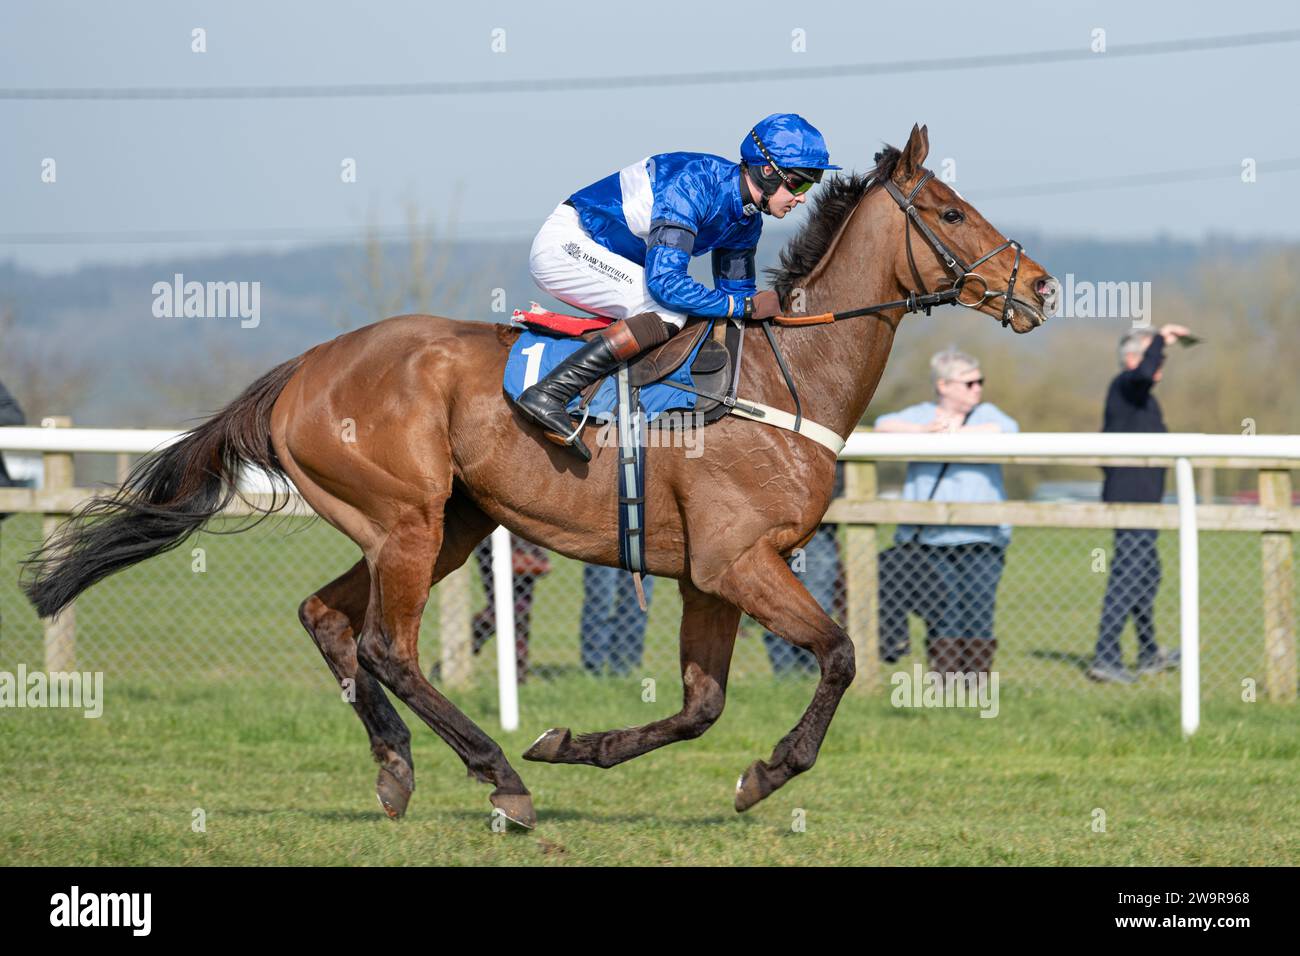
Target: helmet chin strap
763, 203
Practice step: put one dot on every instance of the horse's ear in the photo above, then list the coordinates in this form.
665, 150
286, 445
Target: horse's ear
914, 153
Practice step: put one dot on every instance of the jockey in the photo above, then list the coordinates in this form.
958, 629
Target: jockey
621, 247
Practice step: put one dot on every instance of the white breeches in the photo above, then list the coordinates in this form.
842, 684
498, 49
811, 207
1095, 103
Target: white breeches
573, 267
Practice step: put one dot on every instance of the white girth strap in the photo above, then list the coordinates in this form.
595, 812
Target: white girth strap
774, 416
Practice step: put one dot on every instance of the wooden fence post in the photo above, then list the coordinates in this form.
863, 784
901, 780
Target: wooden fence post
454, 627
1278, 573
60, 631
1205, 476
860, 578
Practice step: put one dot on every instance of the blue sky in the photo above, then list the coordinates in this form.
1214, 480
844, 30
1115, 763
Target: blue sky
497, 164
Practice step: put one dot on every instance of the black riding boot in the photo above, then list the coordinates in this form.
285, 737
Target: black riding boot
545, 403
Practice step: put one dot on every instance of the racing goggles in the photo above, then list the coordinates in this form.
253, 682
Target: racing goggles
799, 181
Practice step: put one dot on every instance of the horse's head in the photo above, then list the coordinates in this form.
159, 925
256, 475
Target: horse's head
947, 241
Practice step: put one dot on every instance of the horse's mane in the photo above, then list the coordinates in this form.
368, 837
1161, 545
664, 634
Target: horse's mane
835, 200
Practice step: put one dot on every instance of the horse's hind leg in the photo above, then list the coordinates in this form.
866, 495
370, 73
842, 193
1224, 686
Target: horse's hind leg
762, 584
333, 616
708, 636
388, 649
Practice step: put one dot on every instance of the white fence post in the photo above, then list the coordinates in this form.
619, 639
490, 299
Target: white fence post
503, 584
1189, 588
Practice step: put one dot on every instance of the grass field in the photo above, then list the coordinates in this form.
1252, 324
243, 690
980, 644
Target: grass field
283, 775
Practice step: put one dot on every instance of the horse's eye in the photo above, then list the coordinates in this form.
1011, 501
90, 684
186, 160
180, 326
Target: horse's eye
953, 216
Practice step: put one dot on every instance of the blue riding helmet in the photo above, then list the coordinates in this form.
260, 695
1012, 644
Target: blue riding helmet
791, 143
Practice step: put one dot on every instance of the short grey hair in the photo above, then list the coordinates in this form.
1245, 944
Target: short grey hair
944, 365
1134, 342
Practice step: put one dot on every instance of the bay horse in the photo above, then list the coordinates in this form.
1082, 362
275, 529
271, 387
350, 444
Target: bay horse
399, 435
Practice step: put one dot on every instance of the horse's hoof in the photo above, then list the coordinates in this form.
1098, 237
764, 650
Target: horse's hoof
393, 794
750, 788
548, 746
515, 807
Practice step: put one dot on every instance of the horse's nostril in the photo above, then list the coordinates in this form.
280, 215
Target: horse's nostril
1049, 291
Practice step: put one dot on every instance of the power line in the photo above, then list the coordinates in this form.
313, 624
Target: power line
510, 229
565, 84
1202, 173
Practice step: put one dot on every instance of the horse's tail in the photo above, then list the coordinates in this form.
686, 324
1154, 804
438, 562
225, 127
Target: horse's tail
167, 496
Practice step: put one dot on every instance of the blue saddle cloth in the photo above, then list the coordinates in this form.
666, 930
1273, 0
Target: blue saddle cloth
536, 353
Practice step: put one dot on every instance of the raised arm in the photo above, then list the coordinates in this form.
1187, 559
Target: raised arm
1136, 382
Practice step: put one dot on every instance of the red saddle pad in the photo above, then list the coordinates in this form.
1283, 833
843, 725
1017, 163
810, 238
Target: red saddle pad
558, 322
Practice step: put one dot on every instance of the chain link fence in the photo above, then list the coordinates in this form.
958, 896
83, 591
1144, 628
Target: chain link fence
223, 606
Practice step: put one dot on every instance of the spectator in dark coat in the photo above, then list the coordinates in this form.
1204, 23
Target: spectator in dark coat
1135, 563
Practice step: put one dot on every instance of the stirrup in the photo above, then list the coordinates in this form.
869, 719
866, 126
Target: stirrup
572, 437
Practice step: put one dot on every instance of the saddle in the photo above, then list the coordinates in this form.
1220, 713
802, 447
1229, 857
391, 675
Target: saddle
711, 369
662, 360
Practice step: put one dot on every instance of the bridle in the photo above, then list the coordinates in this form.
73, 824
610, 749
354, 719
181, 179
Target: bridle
951, 261
958, 271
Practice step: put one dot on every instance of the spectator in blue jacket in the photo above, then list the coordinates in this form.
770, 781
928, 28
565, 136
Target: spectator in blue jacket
621, 248
964, 562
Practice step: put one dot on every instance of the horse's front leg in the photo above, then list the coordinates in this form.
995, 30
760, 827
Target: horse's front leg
708, 636
764, 587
